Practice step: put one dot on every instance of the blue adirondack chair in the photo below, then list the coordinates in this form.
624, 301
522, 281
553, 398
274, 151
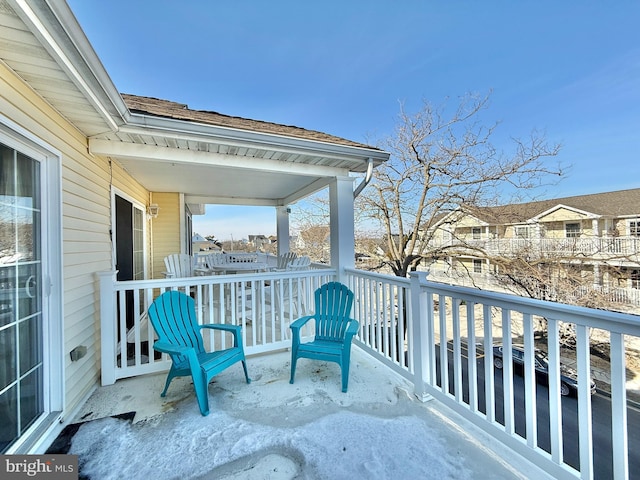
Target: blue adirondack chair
334, 330
173, 317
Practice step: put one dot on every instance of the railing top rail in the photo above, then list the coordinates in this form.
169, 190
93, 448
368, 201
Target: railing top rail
613, 321
220, 279
382, 277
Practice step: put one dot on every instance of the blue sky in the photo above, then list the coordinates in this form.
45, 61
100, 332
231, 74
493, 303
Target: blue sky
570, 69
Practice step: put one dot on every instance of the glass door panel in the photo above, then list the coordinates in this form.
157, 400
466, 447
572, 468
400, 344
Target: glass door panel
21, 317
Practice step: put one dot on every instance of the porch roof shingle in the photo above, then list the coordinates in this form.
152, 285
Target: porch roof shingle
181, 111
622, 203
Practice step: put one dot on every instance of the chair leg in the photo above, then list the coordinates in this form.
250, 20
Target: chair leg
246, 374
344, 368
202, 392
166, 385
294, 360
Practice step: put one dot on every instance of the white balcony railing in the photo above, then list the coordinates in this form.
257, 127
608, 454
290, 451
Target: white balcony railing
438, 336
264, 304
427, 316
590, 247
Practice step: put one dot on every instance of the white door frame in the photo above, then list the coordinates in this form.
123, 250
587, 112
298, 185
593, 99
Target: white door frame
18, 138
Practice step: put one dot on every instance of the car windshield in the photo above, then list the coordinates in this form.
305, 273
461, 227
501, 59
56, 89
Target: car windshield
541, 360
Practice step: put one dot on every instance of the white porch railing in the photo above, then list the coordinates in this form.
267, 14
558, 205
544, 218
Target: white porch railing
405, 322
624, 297
264, 304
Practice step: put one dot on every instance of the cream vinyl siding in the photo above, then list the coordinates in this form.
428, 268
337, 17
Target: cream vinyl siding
86, 221
166, 230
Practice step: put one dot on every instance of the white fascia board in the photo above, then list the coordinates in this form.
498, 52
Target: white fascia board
173, 155
74, 54
566, 207
188, 130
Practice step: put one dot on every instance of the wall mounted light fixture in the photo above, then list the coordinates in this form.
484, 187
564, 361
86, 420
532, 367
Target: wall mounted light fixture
152, 210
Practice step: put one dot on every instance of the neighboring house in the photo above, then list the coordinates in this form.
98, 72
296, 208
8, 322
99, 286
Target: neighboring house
201, 244
598, 234
82, 170
314, 242
259, 241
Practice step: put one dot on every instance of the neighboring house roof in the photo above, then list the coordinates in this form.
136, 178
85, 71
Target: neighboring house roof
618, 204
180, 111
258, 238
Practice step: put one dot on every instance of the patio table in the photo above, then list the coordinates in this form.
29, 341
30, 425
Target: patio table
240, 267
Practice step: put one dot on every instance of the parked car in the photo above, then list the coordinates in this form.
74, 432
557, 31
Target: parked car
568, 376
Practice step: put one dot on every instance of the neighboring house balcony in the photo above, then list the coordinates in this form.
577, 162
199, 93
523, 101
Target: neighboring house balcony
621, 249
440, 338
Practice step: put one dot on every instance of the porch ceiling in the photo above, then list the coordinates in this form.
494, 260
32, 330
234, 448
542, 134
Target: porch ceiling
214, 184
212, 164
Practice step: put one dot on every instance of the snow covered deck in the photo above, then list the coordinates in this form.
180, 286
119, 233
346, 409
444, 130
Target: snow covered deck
271, 429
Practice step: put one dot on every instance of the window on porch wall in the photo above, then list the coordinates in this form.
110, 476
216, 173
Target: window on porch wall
572, 230
523, 231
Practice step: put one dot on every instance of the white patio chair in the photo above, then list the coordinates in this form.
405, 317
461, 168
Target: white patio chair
178, 265
284, 260
300, 263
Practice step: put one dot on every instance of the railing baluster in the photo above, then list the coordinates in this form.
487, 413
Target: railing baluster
489, 377
507, 373
471, 357
555, 405
585, 432
444, 344
619, 407
457, 360
530, 382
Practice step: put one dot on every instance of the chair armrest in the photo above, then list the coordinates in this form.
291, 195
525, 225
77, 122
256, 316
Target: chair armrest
353, 327
222, 326
299, 323
233, 329
171, 349
168, 274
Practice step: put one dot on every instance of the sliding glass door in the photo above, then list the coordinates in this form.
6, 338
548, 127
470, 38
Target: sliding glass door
21, 301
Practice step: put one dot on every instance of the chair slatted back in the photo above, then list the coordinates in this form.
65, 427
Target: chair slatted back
285, 259
333, 302
180, 265
300, 263
173, 316
216, 259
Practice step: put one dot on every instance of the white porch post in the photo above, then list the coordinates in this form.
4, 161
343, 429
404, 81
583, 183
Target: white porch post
342, 236
420, 324
108, 338
282, 229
